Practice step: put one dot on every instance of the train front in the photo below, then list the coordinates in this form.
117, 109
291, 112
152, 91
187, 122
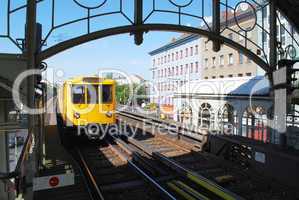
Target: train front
93, 103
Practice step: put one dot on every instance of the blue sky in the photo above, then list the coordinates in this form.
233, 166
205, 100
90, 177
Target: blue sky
118, 52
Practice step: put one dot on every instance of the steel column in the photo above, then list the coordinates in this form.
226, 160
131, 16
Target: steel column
138, 21
216, 24
280, 94
30, 52
4, 154
273, 35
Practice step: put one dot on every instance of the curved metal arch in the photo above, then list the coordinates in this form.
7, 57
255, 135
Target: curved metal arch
145, 28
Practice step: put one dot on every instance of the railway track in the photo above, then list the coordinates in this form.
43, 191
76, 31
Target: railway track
185, 184
117, 170
206, 170
115, 175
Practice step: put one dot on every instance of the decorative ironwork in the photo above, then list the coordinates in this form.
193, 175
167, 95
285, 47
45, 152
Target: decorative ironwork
182, 15
7, 7
244, 6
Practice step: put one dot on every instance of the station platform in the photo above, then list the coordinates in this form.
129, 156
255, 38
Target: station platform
59, 162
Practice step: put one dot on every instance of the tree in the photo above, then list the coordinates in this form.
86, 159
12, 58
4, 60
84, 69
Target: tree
123, 93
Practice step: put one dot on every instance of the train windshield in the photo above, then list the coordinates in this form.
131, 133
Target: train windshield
106, 93
78, 93
92, 94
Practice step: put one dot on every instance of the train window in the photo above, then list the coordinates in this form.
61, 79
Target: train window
78, 94
92, 94
106, 93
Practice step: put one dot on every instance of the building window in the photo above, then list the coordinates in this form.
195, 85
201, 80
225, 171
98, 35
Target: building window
165, 72
248, 33
264, 12
213, 77
181, 69
181, 54
248, 74
165, 59
191, 68
214, 61
241, 58
158, 61
172, 73
230, 75
230, 36
221, 60
241, 35
186, 53
191, 51
186, 68
177, 70
282, 34
176, 55
240, 75
206, 62
153, 74
248, 60
230, 59
221, 76
196, 67
172, 56
196, 49
206, 77
168, 57
206, 45
154, 62
264, 38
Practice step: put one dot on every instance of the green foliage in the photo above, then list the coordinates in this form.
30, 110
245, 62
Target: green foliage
123, 93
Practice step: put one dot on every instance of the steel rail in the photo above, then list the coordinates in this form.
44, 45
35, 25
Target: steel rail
194, 177
96, 191
198, 179
174, 127
143, 174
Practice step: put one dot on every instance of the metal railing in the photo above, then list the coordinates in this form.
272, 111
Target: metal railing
18, 174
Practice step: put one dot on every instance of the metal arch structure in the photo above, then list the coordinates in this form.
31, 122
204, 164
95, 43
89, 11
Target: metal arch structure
145, 28
138, 17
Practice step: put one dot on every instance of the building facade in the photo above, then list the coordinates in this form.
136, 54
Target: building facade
287, 36
174, 65
238, 106
229, 63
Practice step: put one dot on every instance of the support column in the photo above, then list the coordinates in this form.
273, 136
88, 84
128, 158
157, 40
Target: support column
4, 162
239, 128
280, 104
216, 24
273, 35
30, 52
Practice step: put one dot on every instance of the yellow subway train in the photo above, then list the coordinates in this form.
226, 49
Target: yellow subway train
86, 105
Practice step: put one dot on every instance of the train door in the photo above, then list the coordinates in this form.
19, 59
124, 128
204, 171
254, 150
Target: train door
94, 115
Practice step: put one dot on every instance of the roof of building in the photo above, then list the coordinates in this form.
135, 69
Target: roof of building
255, 86
183, 39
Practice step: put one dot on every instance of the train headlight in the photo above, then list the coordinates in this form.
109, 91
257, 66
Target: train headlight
109, 114
77, 115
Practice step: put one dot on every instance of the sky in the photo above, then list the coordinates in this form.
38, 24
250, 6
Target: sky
118, 51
